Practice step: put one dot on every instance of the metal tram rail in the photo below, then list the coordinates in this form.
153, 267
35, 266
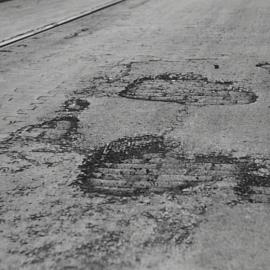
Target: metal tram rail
50, 26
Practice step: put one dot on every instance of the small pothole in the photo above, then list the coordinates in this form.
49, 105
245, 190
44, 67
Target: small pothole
189, 89
264, 65
76, 105
57, 130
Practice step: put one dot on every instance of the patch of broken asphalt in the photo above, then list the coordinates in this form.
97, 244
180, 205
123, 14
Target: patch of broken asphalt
110, 205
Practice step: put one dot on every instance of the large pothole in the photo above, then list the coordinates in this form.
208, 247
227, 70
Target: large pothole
189, 89
148, 164
125, 166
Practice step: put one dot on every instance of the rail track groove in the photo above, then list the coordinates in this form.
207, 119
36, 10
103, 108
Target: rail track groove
44, 28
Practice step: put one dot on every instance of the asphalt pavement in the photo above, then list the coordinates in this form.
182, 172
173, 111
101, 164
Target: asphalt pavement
137, 138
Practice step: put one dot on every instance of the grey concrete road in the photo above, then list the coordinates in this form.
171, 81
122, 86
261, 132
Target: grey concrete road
138, 138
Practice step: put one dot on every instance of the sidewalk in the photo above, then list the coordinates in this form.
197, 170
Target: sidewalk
17, 17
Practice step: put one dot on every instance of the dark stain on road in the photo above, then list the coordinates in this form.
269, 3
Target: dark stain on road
187, 89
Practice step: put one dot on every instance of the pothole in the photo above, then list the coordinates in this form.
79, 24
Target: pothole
57, 130
125, 166
189, 89
44, 142
60, 130
264, 65
154, 170
149, 164
76, 105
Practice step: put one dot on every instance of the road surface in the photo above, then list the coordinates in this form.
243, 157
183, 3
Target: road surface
20, 19
138, 138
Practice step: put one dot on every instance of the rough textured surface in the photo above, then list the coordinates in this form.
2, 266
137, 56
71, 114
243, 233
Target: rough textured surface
60, 106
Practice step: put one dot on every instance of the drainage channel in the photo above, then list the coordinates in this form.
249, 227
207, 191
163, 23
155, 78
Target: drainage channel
148, 164
187, 89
